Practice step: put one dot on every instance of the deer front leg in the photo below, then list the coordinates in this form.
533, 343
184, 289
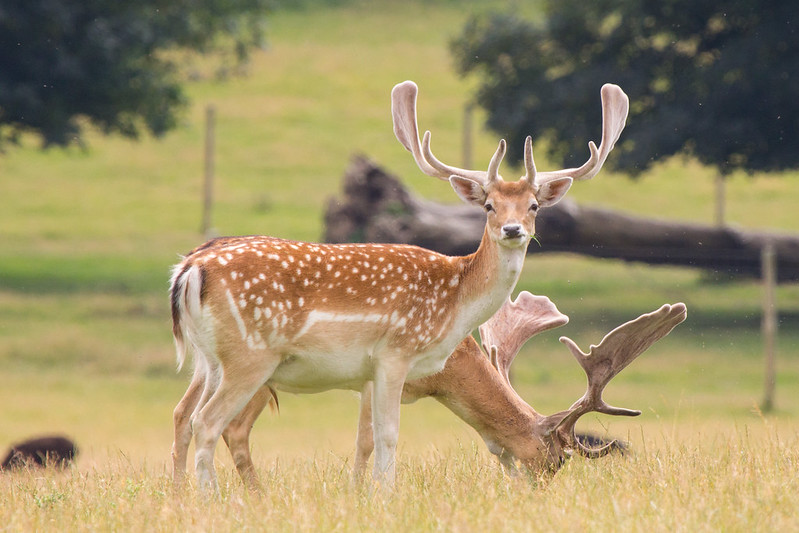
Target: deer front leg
365, 441
237, 437
389, 379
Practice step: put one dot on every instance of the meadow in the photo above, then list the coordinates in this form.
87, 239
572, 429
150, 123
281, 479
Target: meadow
89, 234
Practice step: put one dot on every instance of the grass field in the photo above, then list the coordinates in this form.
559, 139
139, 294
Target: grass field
88, 237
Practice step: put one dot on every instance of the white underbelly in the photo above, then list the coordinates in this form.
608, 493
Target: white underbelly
310, 373
321, 358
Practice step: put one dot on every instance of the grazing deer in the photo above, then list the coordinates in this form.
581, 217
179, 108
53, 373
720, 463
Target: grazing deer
474, 385
305, 318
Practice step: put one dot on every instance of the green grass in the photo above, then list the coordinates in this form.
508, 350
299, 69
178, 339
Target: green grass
88, 237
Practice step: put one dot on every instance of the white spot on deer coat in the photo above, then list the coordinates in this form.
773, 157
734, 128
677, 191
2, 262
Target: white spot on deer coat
234, 310
316, 317
255, 341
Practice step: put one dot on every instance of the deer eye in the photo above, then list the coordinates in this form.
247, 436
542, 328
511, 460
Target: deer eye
488, 207
534, 208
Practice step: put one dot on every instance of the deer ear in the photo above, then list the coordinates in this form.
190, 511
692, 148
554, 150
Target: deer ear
469, 190
549, 193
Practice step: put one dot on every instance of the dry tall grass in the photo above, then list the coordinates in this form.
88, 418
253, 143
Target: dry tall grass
739, 481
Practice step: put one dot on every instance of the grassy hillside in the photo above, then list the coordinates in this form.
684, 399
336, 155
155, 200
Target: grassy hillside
88, 237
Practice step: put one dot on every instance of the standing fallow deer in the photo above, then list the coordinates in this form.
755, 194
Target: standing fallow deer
474, 385
305, 318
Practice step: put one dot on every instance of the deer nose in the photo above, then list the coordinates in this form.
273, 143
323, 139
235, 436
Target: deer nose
512, 231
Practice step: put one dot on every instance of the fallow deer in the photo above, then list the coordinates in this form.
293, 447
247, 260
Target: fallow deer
474, 385
304, 317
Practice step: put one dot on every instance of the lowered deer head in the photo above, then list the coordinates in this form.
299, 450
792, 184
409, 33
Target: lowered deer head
304, 317
601, 364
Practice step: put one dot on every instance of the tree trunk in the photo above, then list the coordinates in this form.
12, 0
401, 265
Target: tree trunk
377, 208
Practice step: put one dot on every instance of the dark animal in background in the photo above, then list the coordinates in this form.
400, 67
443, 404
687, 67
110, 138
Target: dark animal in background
53, 451
594, 441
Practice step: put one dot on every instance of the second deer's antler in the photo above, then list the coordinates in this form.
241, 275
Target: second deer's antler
515, 323
604, 361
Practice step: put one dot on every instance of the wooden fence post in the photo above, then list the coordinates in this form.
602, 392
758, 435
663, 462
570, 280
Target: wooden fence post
208, 181
769, 324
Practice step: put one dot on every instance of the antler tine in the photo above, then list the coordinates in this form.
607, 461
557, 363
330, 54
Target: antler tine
406, 129
529, 162
604, 361
403, 112
615, 106
446, 170
514, 324
496, 159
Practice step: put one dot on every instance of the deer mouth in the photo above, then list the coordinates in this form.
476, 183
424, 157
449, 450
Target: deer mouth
514, 239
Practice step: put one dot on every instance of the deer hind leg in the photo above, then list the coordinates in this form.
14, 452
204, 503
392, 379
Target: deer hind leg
389, 379
213, 376
182, 422
240, 380
237, 437
365, 441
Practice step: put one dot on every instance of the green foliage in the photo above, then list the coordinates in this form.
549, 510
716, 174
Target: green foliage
62, 61
717, 80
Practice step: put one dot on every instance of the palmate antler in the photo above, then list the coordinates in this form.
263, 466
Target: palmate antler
602, 362
503, 335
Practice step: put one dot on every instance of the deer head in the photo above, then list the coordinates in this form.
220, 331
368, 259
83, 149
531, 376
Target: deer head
510, 224
502, 338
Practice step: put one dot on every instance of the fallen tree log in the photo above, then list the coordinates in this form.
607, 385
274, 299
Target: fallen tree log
376, 207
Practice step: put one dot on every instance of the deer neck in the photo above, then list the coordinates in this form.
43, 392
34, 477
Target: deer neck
472, 389
489, 276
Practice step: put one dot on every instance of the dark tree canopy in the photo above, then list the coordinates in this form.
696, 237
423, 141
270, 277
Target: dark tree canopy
717, 80
64, 61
